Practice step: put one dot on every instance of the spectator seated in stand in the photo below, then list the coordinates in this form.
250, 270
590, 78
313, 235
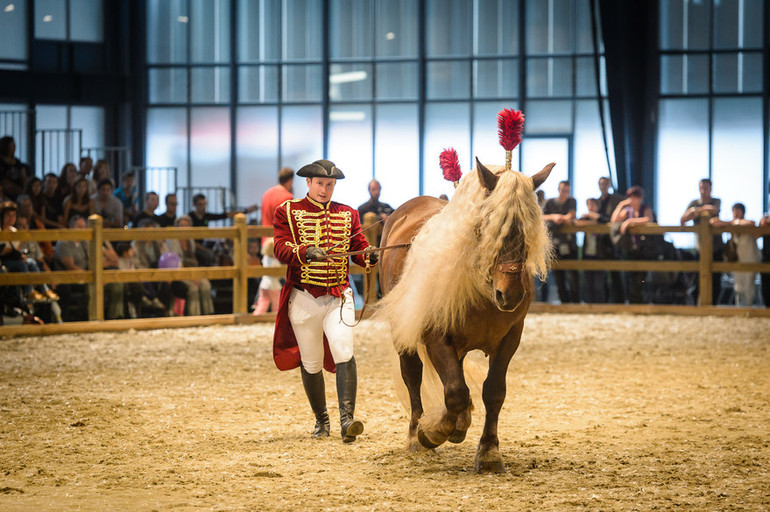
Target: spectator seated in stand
13, 260
13, 173
198, 299
78, 203
147, 254
128, 195
107, 205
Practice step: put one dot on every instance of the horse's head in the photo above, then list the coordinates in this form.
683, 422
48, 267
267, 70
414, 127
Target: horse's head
510, 277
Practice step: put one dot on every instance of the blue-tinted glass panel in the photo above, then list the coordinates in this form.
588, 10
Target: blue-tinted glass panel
351, 29
549, 77
257, 152
536, 152
396, 28
209, 31
302, 22
589, 159
13, 26
737, 155
683, 25
396, 80
259, 30
350, 148
167, 141
167, 85
548, 116
682, 160
350, 82
167, 31
302, 83
397, 158
448, 31
494, 29
446, 125
550, 26
738, 72
258, 84
583, 32
585, 80
684, 74
496, 78
86, 23
448, 79
737, 24
301, 139
210, 85
50, 19
210, 147
15, 121
91, 121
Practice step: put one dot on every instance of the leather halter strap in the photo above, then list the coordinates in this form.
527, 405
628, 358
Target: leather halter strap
510, 267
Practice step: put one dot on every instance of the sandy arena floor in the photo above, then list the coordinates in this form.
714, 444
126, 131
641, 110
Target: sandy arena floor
603, 413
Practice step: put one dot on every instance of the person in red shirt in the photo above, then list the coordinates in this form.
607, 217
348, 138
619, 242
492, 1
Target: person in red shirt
313, 327
276, 195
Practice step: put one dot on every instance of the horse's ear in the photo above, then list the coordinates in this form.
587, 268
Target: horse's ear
540, 177
486, 177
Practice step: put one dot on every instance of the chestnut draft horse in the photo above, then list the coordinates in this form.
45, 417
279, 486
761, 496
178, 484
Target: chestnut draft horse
464, 284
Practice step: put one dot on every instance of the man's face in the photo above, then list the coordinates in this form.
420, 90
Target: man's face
321, 189
86, 164
171, 204
564, 190
200, 205
705, 189
51, 182
152, 202
737, 213
80, 223
374, 190
105, 191
128, 183
604, 185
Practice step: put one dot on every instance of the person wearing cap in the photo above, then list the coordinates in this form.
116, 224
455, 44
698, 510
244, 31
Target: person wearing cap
314, 321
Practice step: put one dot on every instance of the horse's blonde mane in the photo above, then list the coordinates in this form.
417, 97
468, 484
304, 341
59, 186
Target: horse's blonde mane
447, 268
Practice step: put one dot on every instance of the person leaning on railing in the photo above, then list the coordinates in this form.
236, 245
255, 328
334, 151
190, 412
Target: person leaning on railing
12, 259
633, 211
742, 247
198, 299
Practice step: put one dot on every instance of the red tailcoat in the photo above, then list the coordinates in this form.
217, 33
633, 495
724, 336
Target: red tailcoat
299, 224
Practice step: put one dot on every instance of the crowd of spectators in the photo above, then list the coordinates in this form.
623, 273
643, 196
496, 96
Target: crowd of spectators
622, 212
65, 201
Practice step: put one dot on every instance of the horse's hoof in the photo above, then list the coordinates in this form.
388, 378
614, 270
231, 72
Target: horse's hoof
457, 436
490, 466
427, 443
413, 446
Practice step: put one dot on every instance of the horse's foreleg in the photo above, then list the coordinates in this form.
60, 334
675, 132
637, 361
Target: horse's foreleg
488, 457
433, 432
411, 372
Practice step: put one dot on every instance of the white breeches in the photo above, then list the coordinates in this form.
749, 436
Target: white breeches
311, 318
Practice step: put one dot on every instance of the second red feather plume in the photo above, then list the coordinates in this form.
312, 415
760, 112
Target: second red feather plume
450, 165
510, 125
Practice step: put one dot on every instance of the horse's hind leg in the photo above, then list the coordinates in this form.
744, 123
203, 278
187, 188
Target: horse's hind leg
488, 457
411, 372
433, 432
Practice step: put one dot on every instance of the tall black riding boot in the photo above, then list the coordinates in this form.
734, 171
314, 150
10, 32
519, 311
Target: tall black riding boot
316, 395
346, 393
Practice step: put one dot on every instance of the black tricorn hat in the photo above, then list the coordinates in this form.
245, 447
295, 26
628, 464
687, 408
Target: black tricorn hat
321, 169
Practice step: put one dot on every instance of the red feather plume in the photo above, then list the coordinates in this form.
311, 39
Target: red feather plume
450, 165
510, 124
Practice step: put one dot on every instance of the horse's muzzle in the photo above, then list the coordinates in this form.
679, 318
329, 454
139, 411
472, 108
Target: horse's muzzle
508, 303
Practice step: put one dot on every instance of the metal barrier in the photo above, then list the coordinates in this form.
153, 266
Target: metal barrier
54, 148
119, 158
162, 180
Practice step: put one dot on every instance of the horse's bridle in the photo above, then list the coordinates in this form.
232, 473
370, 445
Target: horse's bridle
509, 267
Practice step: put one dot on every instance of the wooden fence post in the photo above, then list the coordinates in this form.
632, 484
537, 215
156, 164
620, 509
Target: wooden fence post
706, 254
240, 258
95, 264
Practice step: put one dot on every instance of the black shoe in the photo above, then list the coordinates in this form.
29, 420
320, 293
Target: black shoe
346, 393
316, 395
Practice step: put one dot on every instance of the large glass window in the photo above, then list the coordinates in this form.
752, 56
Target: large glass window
73, 20
375, 91
13, 26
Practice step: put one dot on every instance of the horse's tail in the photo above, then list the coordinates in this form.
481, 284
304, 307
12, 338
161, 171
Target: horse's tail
432, 389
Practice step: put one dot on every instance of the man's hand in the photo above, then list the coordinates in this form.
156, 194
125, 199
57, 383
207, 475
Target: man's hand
374, 257
314, 253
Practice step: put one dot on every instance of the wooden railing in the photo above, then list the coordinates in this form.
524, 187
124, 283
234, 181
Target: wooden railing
96, 276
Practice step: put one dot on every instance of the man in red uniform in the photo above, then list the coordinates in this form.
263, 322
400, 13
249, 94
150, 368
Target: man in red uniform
276, 195
313, 326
